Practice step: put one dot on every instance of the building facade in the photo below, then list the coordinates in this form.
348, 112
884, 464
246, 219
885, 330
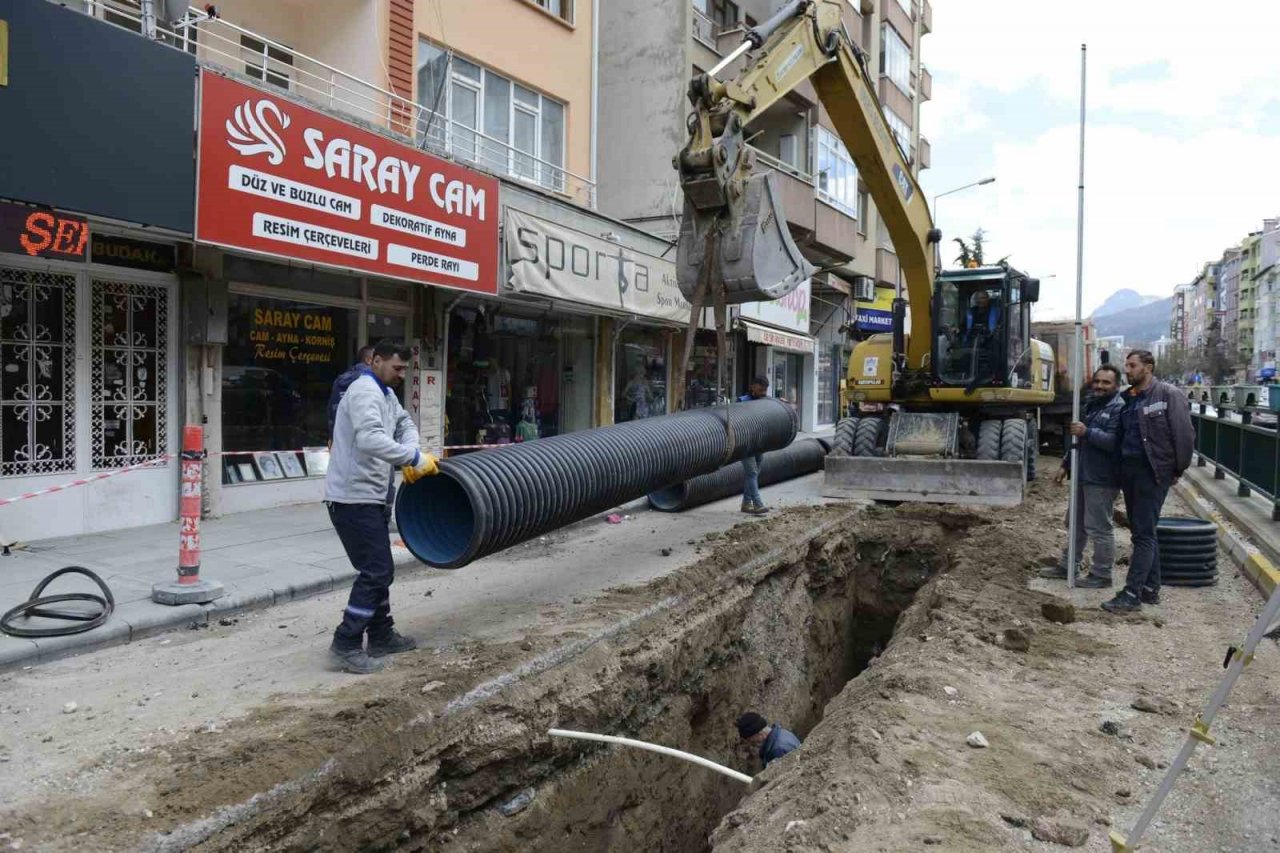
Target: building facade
648, 53
1267, 300
1179, 316
1230, 295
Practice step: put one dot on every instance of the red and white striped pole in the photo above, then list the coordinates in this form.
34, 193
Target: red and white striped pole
190, 588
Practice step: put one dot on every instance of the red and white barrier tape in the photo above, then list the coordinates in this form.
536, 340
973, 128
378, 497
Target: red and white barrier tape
150, 463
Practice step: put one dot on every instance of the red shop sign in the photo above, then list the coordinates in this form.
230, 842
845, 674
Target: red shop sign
281, 179
42, 233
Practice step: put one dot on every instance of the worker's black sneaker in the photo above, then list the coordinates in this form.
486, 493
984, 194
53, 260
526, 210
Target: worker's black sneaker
754, 508
1122, 603
354, 660
392, 644
1150, 596
1056, 573
1094, 582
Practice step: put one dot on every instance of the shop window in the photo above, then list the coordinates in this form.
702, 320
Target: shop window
129, 370
640, 375
828, 382
512, 378
701, 391
278, 368
37, 382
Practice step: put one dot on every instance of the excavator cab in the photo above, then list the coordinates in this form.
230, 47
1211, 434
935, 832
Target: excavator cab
982, 326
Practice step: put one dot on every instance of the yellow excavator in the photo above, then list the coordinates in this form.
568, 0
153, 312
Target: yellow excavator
943, 409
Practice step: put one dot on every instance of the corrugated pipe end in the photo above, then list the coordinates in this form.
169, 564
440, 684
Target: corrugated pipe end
672, 498
436, 521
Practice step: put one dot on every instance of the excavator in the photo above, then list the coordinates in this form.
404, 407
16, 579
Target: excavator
942, 409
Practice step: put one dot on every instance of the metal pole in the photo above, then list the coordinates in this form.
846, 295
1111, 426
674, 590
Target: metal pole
1077, 359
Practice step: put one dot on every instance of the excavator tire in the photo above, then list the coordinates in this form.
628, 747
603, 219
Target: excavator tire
867, 437
845, 432
989, 440
1013, 441
1033, 450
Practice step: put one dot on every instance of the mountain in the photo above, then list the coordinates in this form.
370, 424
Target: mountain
1123, 300
1142, 324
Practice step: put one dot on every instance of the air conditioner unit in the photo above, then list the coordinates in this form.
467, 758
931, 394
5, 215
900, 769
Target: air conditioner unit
864, 289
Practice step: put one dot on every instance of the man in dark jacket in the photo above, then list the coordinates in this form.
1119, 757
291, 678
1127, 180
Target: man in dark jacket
1153, 448
364, 357
1098, 481
773, 740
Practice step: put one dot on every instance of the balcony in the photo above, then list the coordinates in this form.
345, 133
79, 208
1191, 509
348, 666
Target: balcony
704, 29
926, 153
926, 17
887, 266
279, 68
926, 84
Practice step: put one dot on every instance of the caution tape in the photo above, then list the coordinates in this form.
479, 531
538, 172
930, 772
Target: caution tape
128, 469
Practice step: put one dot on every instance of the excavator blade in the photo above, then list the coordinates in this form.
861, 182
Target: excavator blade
906, 478
757, 258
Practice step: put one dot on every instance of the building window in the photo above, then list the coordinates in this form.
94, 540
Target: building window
38, 378
895, 58
901, 132
481, 117
905, 5
129, 366
863, 202
837, 175
562, 9
266, 62
640, 389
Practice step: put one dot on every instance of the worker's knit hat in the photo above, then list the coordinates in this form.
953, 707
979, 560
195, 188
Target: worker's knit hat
750, 724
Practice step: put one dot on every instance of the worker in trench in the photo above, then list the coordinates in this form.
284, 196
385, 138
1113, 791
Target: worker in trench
771, 739
1096, 481
372, 434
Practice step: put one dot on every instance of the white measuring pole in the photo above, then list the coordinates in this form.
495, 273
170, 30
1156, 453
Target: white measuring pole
1077, 357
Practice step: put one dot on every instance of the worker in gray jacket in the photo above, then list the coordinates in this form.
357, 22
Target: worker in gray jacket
1153, 448
372, 435
1097, 482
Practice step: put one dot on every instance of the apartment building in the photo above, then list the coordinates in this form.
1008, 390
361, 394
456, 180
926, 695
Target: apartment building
649, 51
1264, 277
1179, 317
1203, 316
1229, 297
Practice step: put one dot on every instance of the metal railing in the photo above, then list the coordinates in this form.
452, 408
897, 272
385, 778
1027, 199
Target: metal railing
704, 29
219, 43
783, 166
1248, 452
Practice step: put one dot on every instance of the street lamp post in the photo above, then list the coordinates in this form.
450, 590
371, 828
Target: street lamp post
937, 248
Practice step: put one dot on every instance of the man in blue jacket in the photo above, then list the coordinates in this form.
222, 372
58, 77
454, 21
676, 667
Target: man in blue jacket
1153, 448
1098, 481
773, 740
752, 502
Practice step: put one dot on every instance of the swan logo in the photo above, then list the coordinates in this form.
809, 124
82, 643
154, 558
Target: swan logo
251, 132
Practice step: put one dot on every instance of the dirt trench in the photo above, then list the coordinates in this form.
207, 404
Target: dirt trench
776, 617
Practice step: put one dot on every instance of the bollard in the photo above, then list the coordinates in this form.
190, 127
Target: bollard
189, 587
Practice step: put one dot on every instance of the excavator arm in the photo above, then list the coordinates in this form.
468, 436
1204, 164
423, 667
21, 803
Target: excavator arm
734, 244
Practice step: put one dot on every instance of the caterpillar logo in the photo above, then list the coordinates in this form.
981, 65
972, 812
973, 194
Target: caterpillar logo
904, 182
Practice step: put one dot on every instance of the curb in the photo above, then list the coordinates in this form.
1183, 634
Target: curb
128, 624
1256, 566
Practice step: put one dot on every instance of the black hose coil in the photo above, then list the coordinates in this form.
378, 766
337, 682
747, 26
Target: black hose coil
484, 502
35, 606
796, 460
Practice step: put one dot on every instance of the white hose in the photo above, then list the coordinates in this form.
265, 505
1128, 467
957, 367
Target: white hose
652, 747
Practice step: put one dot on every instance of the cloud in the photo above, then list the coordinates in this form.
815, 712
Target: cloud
1182, 105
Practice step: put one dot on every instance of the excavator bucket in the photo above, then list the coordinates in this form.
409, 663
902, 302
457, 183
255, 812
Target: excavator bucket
758, 259
907, 478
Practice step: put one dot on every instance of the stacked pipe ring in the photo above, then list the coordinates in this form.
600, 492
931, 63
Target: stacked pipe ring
796, 460
484, 502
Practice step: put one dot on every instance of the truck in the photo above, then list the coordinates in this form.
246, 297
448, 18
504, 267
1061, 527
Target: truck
946, 412
1061, 335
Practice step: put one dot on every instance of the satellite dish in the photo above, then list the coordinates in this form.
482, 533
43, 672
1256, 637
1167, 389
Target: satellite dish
175, 10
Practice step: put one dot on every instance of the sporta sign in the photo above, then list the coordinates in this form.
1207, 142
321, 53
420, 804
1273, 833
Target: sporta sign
281, 179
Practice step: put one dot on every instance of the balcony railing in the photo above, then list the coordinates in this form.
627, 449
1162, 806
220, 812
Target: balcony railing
704, 29
782, 166
219, 43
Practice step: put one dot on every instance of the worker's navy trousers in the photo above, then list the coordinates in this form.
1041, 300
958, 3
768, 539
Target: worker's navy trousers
363, 529
1143, 499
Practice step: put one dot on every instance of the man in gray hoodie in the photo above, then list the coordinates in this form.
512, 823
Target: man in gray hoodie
372, 435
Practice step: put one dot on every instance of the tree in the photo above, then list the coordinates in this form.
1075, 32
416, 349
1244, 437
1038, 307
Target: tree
971, 253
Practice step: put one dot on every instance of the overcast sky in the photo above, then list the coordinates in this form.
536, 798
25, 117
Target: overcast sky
1182, 155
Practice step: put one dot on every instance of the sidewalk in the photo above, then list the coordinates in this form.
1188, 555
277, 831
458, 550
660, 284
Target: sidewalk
1245, 528
261, 558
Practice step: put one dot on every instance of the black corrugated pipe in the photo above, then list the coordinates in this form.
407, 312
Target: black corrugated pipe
796, 460
483, 502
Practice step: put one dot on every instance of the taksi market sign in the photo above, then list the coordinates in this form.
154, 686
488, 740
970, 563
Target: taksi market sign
278, 178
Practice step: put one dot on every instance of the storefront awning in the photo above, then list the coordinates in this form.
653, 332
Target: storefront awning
769, 336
